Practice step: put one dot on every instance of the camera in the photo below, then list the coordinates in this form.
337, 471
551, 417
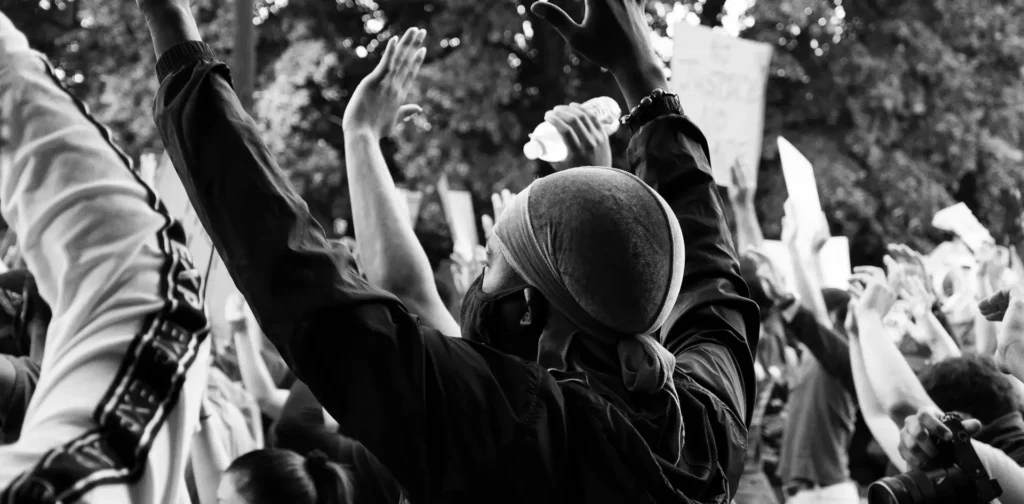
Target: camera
957, 476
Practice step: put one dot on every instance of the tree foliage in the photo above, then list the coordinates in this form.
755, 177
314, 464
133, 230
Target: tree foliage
903, 106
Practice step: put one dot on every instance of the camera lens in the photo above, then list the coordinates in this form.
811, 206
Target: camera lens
888, 491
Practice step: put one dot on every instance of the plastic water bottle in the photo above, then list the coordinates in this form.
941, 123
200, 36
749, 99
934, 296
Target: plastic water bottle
547, 144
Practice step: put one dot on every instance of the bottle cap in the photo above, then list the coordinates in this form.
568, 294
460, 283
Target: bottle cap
533, 150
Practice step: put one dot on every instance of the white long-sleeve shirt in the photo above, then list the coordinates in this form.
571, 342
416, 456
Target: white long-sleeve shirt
125, 364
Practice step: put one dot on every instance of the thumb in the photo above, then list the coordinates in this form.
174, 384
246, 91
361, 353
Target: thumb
557, 18
487, 222
407, 112
972, 426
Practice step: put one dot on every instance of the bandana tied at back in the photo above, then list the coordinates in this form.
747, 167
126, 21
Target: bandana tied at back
607, 252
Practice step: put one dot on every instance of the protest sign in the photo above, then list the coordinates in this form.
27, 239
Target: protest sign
458, 209
835, 263
959, 219
801, 184
721, 83
779, 254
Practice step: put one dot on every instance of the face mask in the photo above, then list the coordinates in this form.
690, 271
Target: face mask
499, 320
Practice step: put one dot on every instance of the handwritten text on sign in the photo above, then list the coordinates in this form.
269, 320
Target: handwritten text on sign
721, 83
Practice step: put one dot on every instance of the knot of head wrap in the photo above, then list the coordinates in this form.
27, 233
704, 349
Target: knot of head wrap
607, 252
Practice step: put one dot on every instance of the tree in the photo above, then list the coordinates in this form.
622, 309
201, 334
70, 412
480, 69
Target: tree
903, 106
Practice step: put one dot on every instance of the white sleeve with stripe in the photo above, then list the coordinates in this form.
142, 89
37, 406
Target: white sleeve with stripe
124, 369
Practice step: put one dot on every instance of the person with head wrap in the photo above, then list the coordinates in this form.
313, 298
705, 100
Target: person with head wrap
633, 368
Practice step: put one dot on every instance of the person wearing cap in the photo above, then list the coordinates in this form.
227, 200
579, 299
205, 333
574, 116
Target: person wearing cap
640, 386
124, 365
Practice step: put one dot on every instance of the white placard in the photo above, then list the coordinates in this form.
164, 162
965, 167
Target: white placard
961, 220
802, 187
458, 209
219, 286
779, 254
721, 83
835, 263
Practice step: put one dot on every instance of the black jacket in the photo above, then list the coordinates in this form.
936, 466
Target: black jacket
452, 420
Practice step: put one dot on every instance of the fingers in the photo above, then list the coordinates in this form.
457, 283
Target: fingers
386, 59
590, 121
557, 18
497, 205
487, 222
407, 112
994, 307
408, 56
972, 426
917, 445
561, 121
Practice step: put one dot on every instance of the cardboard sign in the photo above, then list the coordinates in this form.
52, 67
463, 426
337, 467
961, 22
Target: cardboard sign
779, 254
458, 209
960, 220
835, 263
721, 82
801, 184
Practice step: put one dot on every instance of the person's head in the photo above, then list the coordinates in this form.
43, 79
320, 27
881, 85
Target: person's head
24, 315
837, 302
272, 476
971, 385
590, 251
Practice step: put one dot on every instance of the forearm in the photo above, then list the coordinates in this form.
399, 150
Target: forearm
392, 257
748, 229
170, 25
209, 460
891, 377
831, 349
255, 374
941, 343
1013, 359
808, 284
1003, 469
985, 332
882, 428
640, 81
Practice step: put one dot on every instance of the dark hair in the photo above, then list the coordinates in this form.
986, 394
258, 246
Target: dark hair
970, 384
271, 476
837, 301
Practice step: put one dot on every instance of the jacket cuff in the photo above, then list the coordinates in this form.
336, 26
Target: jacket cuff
181, 55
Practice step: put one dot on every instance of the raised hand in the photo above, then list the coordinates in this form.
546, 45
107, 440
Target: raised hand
583, 135
378, 102
499, 201
741, 194
771, 280
880, 290
613, 34
913, 264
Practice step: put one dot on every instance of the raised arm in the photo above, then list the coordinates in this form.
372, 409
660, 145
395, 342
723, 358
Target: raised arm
714, 326
389, 382
392, 257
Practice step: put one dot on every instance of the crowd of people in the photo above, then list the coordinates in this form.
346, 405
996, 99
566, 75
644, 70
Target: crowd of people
617, 340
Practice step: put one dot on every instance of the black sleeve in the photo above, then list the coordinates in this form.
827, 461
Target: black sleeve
18, 379
436, 411
714, 327
830, 348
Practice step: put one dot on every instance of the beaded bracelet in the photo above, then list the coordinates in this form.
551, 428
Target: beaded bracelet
655, 105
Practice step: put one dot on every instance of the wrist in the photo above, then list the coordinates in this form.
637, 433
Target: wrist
638, 81
359, 130
170, 24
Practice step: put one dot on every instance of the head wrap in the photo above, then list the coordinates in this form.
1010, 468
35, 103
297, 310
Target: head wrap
607, 252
